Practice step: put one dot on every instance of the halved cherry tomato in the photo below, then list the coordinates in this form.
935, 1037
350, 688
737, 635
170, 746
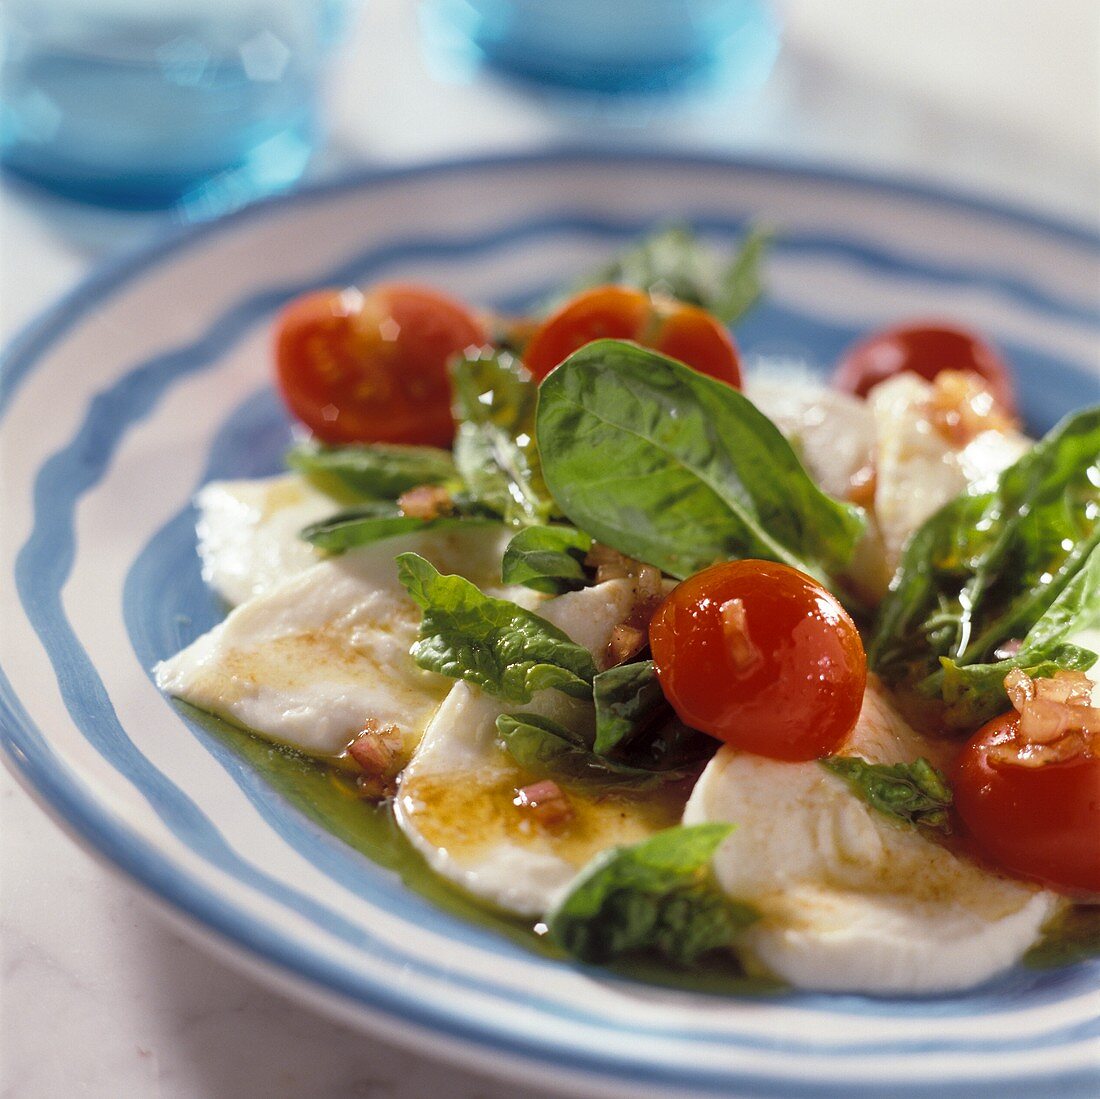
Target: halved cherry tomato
1042, 822
672, 327
761, 656
924, 349
372, 368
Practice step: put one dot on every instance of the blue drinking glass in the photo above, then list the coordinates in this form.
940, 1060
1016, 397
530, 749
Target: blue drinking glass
142, 104
615, 47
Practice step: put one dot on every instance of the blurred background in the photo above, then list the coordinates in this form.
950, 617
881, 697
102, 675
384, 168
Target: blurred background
122, 118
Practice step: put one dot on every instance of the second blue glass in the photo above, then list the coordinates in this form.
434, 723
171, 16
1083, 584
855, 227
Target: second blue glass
617, 46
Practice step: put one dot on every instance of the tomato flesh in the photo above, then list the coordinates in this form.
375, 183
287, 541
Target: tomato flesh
673, 328
923, 349
762, 657
372, 368
1039, 822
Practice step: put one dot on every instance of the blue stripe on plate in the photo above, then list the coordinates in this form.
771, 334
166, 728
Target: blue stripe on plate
142, 388
41, 333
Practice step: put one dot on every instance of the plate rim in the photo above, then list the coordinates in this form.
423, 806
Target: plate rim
91, 822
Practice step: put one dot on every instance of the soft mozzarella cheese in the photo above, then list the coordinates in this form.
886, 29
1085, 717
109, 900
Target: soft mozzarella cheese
456, 799
248, 532
310, 660
849, 900
833, 433
918, 470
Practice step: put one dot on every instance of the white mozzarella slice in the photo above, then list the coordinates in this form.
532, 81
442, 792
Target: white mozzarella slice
833, 433
849, 900
308, 662
248, 532
456, 799
917, 469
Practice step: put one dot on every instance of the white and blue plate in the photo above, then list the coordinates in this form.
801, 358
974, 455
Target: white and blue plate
153, 377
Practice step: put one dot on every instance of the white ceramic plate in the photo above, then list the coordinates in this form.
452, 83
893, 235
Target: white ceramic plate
153, 377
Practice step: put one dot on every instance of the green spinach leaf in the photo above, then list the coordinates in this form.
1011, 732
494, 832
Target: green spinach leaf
373, 522
679, 470
350, 474
974, 693
547, 559
1072, 937
658, 896
676, 262
494, 450
627, 699
988, 568
667, 751
505, 650
636, 726
545, 746
909, 793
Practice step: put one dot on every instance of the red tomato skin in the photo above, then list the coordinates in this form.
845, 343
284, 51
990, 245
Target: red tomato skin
692, 336
676, 329
795, 695
923, 348
605, 312
1041, 823
372, 368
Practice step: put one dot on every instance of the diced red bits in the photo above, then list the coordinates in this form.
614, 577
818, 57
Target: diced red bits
963, 405
545, 802
1057, 721
735, 627
861, 486
426, 502
630, 636
625, 643
377, 751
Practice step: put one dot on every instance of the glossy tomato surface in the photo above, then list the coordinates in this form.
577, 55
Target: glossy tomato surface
1042, 822
683, 332
924, 349
761, 656
372, 367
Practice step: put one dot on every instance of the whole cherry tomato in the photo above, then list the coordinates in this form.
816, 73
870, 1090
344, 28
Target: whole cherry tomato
372, 367
678, 330
761, 656
923, 349
1040, 821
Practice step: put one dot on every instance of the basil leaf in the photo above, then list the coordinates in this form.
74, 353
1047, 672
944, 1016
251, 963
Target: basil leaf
544, 746
909, 793
679, 470
659, 896
505, 650
672, 752
740, 284
1072, 937
377, 472
626, 697
674, 261
547, 559
987, 568
494, 450
374, 522
974, 693
636, 725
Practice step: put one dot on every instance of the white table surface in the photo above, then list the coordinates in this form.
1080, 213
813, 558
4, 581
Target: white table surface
99, 996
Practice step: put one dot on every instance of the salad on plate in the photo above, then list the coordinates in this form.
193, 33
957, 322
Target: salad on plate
668, 661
